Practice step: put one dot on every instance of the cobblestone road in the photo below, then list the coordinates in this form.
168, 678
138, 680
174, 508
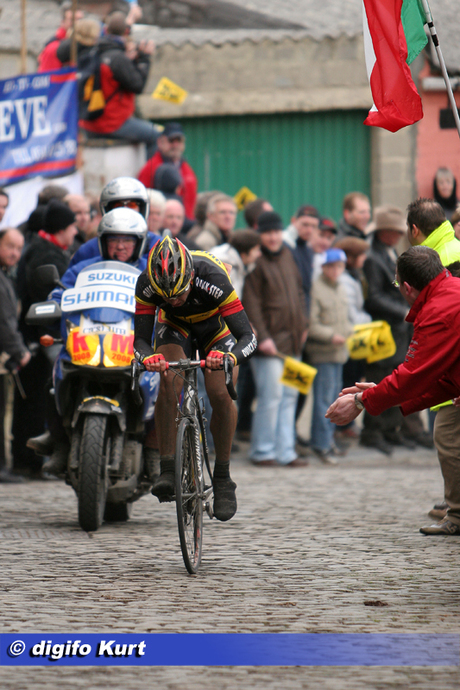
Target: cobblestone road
306, 549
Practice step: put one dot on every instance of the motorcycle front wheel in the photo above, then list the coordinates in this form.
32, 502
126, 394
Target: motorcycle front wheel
93, 480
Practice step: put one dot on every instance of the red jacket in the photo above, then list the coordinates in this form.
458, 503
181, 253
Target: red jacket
48, 60
430, 373
188, 190
121, 79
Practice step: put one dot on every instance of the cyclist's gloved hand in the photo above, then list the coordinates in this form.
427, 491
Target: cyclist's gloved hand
215, 359
155, 363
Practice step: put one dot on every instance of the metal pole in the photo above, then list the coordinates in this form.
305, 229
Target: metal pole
23, 38
434, 38
73, 44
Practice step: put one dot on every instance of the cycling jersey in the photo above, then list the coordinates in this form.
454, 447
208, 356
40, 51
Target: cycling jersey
211, 307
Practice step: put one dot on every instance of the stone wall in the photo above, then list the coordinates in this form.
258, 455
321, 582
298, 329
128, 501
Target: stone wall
267, 76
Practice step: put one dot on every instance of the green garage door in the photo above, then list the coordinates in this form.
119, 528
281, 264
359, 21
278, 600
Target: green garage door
289, 159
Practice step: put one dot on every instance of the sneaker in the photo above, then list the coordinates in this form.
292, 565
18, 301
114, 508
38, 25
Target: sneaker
438, 511
165, 487
224, 498
446, 528
264, 463
42, 445
57, 463
326, 456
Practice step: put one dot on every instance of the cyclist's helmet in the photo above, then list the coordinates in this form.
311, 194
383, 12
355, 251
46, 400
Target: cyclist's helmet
122, 221
121, 192
170, 267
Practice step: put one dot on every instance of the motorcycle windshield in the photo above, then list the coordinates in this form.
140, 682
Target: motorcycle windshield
106, 284
103, 302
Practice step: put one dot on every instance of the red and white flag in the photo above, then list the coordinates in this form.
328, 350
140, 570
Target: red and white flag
393, 37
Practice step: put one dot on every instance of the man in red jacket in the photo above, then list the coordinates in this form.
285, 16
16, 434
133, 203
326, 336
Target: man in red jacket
171, 146
121, 79
430, 373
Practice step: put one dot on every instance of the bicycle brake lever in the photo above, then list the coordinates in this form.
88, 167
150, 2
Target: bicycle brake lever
228, 370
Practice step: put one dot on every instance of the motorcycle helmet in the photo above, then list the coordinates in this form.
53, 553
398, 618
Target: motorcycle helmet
122, 221
170, 267
121, 191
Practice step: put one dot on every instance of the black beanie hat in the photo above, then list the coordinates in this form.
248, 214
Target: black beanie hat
269, 220
58, 216
36, 220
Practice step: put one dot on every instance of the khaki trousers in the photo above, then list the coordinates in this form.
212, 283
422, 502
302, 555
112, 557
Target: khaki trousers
447, 441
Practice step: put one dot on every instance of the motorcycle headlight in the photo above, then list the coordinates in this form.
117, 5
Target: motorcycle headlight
118, 350
83, 349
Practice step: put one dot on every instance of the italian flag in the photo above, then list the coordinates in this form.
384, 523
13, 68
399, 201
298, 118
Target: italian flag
393, 37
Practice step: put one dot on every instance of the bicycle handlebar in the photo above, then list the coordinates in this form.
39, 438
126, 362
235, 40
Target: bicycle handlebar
182, 364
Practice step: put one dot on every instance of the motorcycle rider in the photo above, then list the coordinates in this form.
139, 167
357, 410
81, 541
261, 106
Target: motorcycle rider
121, 236
124, 192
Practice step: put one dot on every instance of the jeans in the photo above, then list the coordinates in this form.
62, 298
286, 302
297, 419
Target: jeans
136, 130
273, 435
327, 385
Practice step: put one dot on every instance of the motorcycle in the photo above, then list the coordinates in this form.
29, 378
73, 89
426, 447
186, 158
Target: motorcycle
92, 377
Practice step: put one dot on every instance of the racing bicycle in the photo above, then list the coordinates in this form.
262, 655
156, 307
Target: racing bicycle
193, 474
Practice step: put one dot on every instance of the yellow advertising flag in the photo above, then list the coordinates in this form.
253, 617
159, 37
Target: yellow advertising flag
167, 90
371, 341
243, 197
297, 375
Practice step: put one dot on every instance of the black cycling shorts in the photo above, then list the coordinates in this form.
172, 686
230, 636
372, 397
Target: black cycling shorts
210, 334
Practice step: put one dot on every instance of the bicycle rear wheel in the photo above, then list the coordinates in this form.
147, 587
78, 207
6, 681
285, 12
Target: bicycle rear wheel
189, 495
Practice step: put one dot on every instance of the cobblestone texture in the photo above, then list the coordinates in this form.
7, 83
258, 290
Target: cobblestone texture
305, 550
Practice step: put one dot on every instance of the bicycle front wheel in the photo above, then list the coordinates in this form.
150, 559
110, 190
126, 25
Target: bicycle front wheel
189, 495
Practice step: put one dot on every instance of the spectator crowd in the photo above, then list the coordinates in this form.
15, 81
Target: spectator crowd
304, 284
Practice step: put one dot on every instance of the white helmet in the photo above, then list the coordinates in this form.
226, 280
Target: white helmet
125, 189
122, 221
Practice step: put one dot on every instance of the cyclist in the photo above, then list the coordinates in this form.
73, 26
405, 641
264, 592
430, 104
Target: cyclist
195, 299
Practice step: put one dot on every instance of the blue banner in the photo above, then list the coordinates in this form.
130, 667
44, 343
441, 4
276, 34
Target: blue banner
38, 125
118, 649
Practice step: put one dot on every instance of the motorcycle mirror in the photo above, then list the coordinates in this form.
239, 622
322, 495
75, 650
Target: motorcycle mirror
43, 314
47, 276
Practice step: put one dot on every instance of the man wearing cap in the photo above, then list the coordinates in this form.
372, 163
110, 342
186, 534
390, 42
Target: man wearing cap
171, 146
275, 304
326, 348
385, 303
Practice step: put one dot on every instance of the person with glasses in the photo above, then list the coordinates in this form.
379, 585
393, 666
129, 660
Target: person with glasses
170, 149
